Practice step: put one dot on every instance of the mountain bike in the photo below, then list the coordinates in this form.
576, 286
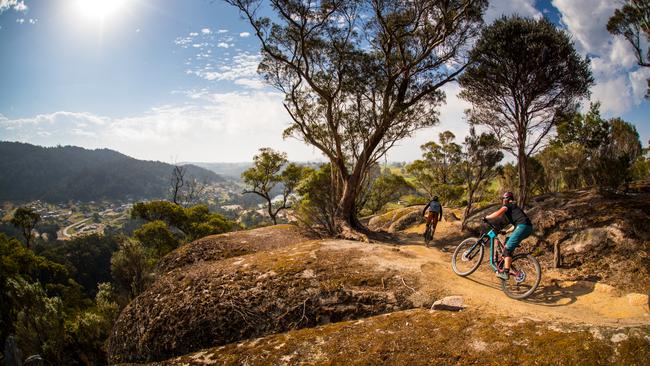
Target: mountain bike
525, 272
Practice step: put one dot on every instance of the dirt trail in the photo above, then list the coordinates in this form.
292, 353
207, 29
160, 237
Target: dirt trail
581, 302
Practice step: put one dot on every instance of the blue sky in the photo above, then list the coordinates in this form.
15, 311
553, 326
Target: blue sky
175, 80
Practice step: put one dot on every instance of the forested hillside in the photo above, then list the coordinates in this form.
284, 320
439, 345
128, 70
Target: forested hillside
65, 173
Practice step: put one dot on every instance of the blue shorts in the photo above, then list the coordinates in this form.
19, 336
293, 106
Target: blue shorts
522, 231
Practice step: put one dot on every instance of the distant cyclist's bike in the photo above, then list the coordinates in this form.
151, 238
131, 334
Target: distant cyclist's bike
525, 272
428, 234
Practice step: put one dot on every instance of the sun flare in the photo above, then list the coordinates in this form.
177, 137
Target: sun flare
99, 9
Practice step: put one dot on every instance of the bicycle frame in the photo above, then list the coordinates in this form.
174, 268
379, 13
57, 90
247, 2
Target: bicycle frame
492, 237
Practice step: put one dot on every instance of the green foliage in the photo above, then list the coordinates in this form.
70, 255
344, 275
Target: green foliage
17, 265
156, 236
251, 219
641, 167
478, 166
632, 21
193, 222
589, 130
87, 331
317, 207
590, 150
525, 75
40, 320
438, 173
565, 166
358, 77
25, 219
132, 268
87, 259
412, 200
271, 168
386, 188
201, 222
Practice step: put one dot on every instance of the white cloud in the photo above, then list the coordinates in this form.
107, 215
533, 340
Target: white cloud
619, 85
497, 8
209, 127
20, 20
614, 94
452, 118
244, 34
222, 31
206, 31
223, 45
639, 81
16, 5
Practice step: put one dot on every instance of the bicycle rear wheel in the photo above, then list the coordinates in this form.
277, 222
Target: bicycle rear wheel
525, 275
428, 235
467, 257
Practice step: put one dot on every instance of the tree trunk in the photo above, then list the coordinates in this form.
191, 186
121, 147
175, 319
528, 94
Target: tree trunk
522, 163
557, 256
348, 226
28, 238
468, 210
270, 209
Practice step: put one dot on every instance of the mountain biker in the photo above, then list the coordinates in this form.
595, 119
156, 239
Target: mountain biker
432, 214
522, 225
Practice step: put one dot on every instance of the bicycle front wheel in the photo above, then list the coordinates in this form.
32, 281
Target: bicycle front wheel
525, 275
467, 257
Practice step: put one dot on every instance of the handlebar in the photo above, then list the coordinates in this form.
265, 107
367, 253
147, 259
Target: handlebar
501, 232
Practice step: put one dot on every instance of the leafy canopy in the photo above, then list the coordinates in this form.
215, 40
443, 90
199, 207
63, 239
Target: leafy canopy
271, 168
360, 75
525, 75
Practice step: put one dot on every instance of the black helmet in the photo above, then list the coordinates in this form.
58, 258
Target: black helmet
435, 198
508, 196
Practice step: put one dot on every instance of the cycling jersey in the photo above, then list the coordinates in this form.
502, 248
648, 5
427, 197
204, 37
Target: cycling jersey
433, 206
516, 215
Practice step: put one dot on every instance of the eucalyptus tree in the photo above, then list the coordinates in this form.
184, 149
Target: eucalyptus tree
271, 168
481, 154
437, 173
25, 219
525, 74
632, 21
359, 75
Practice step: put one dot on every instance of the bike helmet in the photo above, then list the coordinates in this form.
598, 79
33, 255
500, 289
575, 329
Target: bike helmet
435, 198
508, 196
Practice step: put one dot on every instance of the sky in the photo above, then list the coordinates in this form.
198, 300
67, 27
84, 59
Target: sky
176, 80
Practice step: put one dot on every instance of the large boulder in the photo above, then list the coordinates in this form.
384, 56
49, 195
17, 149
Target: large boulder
233, 244
397, 219
299, 285
422, 337
407, 220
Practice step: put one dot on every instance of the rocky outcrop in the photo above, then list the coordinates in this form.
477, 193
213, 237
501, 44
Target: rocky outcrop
305, 284
233, 244
422, 337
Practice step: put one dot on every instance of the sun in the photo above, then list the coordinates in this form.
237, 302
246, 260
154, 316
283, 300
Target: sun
99, 9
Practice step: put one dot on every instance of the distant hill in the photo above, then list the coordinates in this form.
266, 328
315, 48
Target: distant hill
231, 170
234, 170
62, 173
